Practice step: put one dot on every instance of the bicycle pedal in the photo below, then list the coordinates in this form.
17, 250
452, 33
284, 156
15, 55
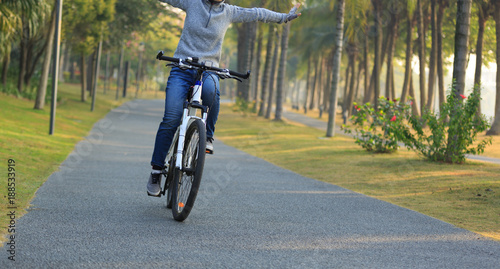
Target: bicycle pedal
159, 195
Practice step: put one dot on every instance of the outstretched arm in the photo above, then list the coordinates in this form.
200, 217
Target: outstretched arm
263, 15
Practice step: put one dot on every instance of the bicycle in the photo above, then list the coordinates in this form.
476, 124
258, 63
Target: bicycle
186, 156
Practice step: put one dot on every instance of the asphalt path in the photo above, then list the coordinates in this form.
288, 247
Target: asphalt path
94, 213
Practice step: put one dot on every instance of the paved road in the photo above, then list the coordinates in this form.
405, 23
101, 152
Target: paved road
319, 124
94, 213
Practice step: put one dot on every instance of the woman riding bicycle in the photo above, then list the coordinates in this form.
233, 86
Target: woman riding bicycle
202, 36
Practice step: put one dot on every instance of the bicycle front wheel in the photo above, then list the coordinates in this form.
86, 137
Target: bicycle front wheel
186, 181
169, 182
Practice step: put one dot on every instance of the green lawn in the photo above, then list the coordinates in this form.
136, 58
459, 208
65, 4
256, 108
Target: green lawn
467, 195
24, 138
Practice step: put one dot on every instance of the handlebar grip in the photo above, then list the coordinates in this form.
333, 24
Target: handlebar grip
240, 75
160, 56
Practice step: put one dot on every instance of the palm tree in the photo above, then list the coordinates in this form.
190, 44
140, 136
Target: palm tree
461, 44
389, 89
42, 86
421, 54
495, 127
443, 4
432, 59
21, 20
459, 64
267, 66
410, 9
336, 67
281, 72
272, 77
484, 8
377, 5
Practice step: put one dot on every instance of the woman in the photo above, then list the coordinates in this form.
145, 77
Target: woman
202, 36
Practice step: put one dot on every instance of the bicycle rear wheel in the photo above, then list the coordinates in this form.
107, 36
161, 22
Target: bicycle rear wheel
186, 181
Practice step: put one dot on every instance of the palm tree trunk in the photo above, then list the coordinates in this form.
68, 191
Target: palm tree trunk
246, 38
365, 63
62, 60
495, 127
308, 83
106, 72
267, 66
378, 48
272, 80
479, 56
91, 72
459, 66
329, 69
120, 71
350, 96
461, 44
313, 90
433, 59
409, 54
358, 75
319, 85
257, 70
440, 72
330, 130
347, 79
83, 76
24, 56
5, 69
42, 86
281, 73
414, 107
390, 57
421, 54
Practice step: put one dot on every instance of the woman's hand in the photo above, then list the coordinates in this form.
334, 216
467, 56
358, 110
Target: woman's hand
292, 14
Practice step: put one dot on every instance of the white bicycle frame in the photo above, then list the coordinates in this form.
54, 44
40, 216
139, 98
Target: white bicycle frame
188, 116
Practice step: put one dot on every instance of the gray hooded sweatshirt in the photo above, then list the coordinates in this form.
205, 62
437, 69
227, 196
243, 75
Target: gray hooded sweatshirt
206, 25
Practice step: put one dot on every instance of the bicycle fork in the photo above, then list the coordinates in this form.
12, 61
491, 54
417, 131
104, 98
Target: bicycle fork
189, 115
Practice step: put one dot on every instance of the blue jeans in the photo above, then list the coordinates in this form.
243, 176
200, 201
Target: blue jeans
177, 89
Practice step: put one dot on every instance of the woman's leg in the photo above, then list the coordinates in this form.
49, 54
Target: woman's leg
211, 98
178, 85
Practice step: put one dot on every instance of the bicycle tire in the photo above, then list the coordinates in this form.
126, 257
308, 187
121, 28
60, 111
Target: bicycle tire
169, 183
186, 181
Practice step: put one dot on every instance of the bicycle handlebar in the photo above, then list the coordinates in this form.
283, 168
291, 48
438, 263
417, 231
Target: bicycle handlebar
193, 62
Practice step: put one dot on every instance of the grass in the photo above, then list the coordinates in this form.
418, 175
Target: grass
467, 195
24, 138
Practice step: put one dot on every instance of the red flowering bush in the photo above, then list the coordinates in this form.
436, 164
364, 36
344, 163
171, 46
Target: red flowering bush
451, 133
379, 130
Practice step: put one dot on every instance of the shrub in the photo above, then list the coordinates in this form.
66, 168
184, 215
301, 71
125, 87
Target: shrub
379, 130
451, 133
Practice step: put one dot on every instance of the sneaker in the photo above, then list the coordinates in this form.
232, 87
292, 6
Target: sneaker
154, 182
210, 145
